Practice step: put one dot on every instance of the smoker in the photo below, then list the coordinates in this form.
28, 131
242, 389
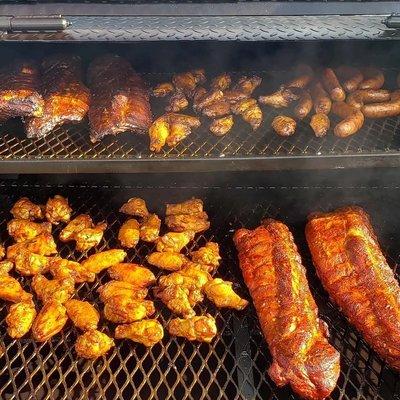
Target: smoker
242, 178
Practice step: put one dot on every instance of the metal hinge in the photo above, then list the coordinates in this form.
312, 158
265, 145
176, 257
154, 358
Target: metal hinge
393, 21
33, 23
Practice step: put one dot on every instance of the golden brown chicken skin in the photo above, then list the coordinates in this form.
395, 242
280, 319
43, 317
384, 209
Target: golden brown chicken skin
25, 209
28, 264
88, 238
247, 84
163, 89
61, 268
2, 252
20, 318
197, 273
221, 126
42, 244
83, 315
121, 288
188, 222
11, 290
135, 207
187, 81
150, 228
147, 332
167, 260
128, 234
135, 274
105, 259
177, 102
174, 241
49, 321
76, 225
5, 267
221, 82
176, 298
201, 328
58, 290
122, 309
58, 210
208, 256
192, 206
222, 295
93, 344
23, 229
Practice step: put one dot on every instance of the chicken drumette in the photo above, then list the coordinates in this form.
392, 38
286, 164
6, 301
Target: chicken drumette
148, 332
61, 268
105, 259
167, 260
150, 228
27, 263
89, 237
24, 229
208, 256
58, 210
93, 344
220, 292
76, 225
174, 242
11, 290
25, 209
83, 315
200, 328
57, 290
120, 288
135, 274
42, 244
20, 318
135, 207
5, 267
128, 234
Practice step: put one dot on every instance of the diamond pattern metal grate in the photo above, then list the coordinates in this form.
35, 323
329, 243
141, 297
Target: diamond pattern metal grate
234, 365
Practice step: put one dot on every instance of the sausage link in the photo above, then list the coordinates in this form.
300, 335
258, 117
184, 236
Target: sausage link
353, 270
321, 99
382, 110
350, 77
320, 124
332, 85
361, 96
373, 79
297, 339
352, 119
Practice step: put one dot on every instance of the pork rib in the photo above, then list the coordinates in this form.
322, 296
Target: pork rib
66, 98
119, 98
297, 338
354, 272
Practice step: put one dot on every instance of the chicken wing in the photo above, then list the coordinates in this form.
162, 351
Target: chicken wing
174, 242
50, 321
192, 206
5, 267
187, 81
23, 229
28, 264
247, 84
59, 290
177, 102
2, 252
250, 111
168, 261
105, 259
197, 273
88, 238
194, 222
163, 89
201, 328
221, 126
121, 288
42, 244
58, 210
147, 332
150, 228
122, 309
135, 207
20, 318
222, 295
76, 225
61, 268
83, 315
93, 344
208, 256
11, 290
128, 234
66, 98
176, 298
25, 209
135, 274
221, 82
217, 109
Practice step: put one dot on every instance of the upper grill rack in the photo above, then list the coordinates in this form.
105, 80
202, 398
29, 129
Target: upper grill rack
377, 142
234, 366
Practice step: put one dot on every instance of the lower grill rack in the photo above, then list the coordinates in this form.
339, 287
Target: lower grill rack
234, 365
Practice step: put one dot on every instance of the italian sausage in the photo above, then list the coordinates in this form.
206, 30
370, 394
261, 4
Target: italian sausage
283, 125
350, 77
352, 119
373, 79
320, 124
304, 105
321, 99
297, 338
332, 85
385, 109
361, 96
354, 272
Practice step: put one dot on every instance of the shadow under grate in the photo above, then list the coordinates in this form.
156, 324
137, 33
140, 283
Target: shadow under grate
234, 365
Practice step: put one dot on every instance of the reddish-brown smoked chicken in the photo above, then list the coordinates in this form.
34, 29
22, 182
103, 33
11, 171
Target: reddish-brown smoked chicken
66, 98
119, 98
297, 339
354, 272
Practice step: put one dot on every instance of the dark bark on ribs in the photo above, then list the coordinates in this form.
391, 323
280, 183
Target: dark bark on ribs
66, 98
354, 272
119, 98
19, 90
297, 339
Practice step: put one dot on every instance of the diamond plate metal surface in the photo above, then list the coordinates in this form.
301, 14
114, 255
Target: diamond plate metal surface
245, 28
234, 365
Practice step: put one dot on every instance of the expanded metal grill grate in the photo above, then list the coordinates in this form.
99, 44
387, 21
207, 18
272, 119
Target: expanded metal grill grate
234, 365
72, 142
